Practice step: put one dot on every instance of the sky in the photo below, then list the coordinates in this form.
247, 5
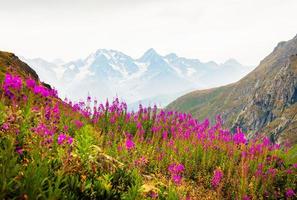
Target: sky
246, 30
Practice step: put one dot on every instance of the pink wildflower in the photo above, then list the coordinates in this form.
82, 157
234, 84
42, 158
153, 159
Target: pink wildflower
30, 83
176, 170
70, 140
5, 126
61, 138
129, 144
217, 178
290, 193
78, 123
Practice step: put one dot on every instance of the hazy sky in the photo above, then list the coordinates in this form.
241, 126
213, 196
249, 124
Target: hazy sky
209, 30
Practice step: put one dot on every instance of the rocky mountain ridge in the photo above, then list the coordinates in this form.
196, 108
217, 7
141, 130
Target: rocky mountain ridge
261, 103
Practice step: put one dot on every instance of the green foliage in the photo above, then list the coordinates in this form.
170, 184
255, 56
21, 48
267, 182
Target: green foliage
84, 141
291, 155
9, 168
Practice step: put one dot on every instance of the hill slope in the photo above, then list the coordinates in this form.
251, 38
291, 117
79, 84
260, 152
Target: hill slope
264, 101
11, 63
54, 149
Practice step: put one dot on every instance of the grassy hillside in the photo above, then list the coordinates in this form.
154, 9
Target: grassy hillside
254, 103
53, 149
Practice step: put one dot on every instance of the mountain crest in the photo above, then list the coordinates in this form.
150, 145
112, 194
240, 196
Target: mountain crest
150, 55
262, 102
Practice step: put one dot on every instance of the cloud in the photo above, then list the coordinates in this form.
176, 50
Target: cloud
207, 30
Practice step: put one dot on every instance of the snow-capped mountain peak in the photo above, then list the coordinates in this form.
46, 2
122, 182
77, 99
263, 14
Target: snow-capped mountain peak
150, 56
106, 73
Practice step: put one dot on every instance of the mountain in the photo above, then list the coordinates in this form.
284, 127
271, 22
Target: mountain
151, 78
10, 63
261, 103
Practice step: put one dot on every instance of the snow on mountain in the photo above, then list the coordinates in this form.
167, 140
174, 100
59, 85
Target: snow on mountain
150, 79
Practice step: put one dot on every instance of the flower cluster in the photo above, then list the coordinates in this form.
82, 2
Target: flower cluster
176, 170
11, 83
175, 145
62, 138
129, 144
290, 193
217, 178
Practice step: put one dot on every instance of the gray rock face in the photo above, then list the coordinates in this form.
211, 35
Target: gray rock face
262, 103
269, 100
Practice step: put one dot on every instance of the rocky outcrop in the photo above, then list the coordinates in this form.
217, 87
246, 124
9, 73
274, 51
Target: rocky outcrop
262, 103
269, 101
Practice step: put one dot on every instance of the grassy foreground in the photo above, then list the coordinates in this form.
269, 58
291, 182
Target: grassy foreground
54, 149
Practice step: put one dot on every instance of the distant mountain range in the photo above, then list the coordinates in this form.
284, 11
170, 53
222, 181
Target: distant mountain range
150, 79
262, 103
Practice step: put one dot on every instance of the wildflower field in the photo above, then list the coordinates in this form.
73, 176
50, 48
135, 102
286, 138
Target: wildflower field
54, 149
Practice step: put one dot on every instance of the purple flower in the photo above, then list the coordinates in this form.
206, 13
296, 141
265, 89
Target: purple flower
61, 138
290, 193
154, 195
30, 83
246, 197
239, 138
78, 123
19, 150
177, 179
41, 90
14, 82
217, 177
129, 144
11, 82
5, 126
70, 140
176, 170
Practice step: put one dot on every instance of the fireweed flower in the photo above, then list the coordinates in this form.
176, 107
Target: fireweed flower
61, 138
40, 90
13, 82
239, 137
246, 197
5, 126
290, 193
30, 83
78, 123
153, 195
19, 150
177, 179
70, 140
217, 178
129, 144
175, 171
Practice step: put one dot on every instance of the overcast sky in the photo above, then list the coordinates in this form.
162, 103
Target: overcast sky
246, 30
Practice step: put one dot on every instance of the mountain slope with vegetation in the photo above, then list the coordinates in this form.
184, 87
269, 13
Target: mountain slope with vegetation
54, 149
261, 103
